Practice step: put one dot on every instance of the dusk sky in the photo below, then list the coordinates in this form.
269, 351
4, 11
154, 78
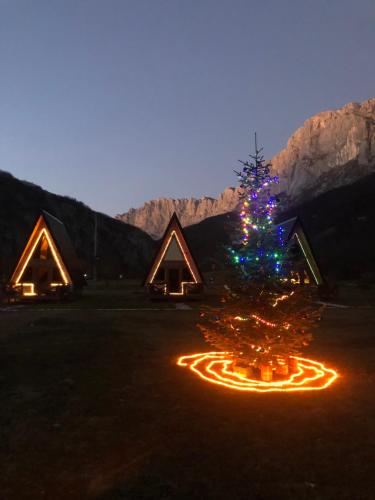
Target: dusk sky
119, 102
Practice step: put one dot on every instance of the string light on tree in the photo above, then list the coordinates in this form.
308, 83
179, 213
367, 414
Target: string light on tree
263, 321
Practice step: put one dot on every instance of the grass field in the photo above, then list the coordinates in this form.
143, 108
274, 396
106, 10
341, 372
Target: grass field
92, 405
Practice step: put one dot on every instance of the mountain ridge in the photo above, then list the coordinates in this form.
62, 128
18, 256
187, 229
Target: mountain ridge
154, 215
331, 149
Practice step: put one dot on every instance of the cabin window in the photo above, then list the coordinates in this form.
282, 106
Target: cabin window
160, 275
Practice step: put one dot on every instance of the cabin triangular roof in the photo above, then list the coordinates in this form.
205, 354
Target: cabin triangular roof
293, 230
174, 230
62, 245
288, 226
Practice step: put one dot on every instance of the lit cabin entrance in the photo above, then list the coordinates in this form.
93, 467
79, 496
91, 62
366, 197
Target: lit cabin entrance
174, 272
174, 280
174, 276
42, 270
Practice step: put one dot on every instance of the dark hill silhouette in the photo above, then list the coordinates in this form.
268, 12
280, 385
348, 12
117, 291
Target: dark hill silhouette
340, 225
122, 249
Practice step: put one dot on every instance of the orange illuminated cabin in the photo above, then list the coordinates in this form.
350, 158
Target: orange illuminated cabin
305, 267
174, 272
48, 266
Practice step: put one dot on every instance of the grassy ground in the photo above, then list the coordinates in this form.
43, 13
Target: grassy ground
122, 294
92, 405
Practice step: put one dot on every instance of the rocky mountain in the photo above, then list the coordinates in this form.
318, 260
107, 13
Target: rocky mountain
331, 149
154, 215
122, 249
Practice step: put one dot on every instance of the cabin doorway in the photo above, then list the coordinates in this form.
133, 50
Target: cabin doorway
42, 280
173, 280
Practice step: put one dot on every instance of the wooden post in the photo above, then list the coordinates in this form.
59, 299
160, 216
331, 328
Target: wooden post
94, 271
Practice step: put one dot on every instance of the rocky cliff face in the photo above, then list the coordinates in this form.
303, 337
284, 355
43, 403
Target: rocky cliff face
331, 149
154, 215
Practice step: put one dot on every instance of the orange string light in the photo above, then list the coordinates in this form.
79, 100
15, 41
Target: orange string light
281, 298
263, 321
214, 367
56, 257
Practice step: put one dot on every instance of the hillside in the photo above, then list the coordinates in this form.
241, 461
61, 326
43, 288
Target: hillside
339, 223
122, 249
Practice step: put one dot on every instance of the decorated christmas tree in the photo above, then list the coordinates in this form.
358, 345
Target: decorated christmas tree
262, 319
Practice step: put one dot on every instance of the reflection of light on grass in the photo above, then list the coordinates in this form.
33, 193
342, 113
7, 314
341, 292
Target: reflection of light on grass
214, 367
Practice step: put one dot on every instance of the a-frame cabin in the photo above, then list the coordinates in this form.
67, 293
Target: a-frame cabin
305, 267
174, 273
48, 266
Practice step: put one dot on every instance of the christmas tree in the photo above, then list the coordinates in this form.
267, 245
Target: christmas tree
263, 318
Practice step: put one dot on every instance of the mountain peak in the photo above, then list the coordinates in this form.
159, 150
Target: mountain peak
326, 141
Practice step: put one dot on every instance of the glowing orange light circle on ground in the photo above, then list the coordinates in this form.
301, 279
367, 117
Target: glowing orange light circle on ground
214, 367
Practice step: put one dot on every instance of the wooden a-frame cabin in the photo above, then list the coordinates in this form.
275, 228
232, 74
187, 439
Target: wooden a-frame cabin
48, 266
174, 272
305, 269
